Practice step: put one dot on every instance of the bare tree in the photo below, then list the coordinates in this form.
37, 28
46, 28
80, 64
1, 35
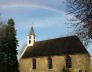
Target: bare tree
82, 11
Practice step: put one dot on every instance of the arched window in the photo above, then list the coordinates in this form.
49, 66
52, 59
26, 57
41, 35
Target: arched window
68, 62
80, 70
34, 63
29, 41
29, 37
34, 37
50, 63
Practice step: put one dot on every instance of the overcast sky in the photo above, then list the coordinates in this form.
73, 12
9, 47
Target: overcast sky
47, 16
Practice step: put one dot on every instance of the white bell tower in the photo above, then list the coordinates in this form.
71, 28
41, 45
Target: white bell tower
31, 37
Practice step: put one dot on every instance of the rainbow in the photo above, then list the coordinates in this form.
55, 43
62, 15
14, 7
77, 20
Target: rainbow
26, 4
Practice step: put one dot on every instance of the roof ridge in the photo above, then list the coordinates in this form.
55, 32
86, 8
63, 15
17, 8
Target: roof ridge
57, 38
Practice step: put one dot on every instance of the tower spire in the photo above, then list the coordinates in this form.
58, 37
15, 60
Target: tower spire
31, 31
31, 37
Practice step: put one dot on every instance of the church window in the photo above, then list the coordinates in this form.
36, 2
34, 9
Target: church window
34, 40
29, 37
34, 37
49, 63
68, 62
29, 41
34, 63
80, 70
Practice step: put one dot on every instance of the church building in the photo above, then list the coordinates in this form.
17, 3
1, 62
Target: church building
64, 54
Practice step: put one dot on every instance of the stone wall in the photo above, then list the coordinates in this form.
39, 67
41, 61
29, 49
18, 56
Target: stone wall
79, 62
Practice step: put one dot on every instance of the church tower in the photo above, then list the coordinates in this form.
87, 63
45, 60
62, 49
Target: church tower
31, 37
